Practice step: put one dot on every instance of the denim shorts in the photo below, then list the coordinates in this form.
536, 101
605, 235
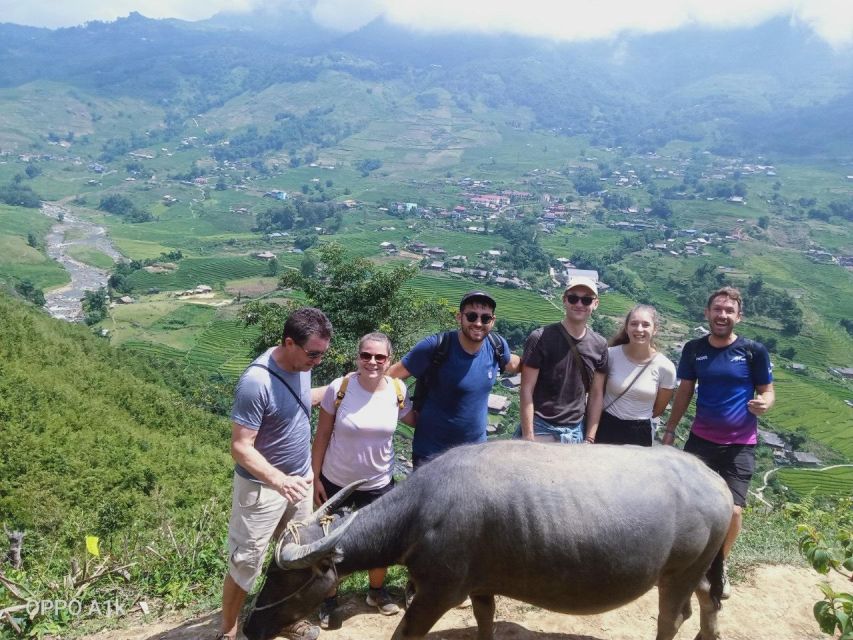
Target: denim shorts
564, 434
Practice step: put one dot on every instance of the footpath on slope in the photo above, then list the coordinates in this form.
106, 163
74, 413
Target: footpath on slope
772, 603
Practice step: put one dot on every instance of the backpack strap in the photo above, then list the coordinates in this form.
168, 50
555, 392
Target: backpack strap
498, 346
398, 389
439, 355
341, 393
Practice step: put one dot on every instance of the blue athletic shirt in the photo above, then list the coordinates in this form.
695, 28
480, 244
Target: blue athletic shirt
726, 379
456, 408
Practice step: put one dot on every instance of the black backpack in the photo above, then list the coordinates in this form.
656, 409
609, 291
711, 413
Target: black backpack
439, 355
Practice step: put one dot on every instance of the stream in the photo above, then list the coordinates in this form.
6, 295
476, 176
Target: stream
72, 231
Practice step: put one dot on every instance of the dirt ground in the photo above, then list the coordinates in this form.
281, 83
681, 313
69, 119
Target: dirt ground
772, 603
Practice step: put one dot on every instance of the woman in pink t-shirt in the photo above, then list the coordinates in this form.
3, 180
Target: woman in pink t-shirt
354, 441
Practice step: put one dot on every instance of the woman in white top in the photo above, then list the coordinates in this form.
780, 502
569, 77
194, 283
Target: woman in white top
640, 382
358, 417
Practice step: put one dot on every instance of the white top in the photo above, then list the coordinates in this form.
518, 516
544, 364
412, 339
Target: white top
361, 444
638, 402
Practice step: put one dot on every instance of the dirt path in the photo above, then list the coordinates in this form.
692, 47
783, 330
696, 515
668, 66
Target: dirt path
773, 603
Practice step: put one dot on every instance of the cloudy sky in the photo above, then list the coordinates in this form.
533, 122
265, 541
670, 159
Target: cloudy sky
557, 19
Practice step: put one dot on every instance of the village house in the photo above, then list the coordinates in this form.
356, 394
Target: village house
265, 255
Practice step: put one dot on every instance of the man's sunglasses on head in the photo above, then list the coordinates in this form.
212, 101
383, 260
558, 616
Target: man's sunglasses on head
571, 298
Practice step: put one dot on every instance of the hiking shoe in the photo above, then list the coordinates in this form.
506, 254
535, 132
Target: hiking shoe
381, 599
727, 586
329, 616
302, 630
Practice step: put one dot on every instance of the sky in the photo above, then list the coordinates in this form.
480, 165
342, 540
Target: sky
831, 20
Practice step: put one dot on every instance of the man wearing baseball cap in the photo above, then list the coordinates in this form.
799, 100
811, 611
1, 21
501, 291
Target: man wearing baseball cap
456, 371
564, 369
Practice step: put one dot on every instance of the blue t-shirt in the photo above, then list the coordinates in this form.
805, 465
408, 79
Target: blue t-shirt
263, 403
726, 380
456, 408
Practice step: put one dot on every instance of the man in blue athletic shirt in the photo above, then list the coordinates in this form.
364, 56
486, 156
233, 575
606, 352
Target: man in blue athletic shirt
456, 407
735, 386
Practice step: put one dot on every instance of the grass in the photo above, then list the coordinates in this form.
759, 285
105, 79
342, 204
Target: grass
192, 272
20, 261
91, 257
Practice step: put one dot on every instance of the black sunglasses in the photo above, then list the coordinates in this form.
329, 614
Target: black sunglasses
571, 298
313, 355
485, 318
367, 357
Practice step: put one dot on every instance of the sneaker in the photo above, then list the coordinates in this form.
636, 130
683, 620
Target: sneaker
328, 614
727, 587
302, 630
381, 599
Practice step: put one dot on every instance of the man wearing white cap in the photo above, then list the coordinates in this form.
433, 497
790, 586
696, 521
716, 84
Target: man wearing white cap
564, 370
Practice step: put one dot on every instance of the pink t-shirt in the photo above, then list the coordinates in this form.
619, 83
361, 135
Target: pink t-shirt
361, 445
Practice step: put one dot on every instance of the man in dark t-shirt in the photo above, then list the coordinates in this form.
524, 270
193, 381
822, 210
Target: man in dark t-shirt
564, 368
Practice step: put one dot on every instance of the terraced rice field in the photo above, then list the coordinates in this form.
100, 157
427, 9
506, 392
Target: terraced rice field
518, 305
192, 272
817, 406
838, 481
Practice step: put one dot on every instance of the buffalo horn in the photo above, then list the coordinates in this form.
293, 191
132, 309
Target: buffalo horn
289, 555
334, 502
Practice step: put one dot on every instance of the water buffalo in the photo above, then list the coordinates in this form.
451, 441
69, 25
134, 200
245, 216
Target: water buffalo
574, 529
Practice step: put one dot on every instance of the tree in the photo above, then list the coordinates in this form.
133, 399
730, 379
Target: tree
661, 209
27, 290
32, 240
94, 305
764, 222
308, 266
32, 171
272, 267
359, 297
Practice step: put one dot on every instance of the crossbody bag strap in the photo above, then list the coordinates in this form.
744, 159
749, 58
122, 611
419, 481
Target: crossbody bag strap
289, 388
631, 384
578, 360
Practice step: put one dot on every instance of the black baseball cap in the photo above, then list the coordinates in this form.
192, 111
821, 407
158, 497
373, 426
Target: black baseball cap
477, 296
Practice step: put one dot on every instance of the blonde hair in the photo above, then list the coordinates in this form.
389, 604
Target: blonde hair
621, 336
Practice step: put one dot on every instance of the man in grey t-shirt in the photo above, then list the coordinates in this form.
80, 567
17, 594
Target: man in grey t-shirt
271, 447
563, 372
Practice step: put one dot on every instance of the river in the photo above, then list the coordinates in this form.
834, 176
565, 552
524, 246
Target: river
73, 231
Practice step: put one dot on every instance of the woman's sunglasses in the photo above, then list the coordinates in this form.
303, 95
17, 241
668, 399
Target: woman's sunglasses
584, 300
367, 357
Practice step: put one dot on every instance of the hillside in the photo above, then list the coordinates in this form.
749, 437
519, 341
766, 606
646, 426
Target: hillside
91, 442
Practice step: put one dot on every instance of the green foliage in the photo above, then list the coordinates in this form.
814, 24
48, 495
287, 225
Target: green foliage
367, 165
825, 553
123, 206
269, 317
359, 297
28, 291
18, 195
95, 305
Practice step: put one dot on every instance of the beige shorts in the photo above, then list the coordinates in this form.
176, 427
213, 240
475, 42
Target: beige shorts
258, 512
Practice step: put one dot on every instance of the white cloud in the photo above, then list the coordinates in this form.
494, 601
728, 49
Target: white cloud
555, 19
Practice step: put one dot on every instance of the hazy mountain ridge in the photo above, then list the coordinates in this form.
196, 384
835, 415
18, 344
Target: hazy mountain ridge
744, 85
